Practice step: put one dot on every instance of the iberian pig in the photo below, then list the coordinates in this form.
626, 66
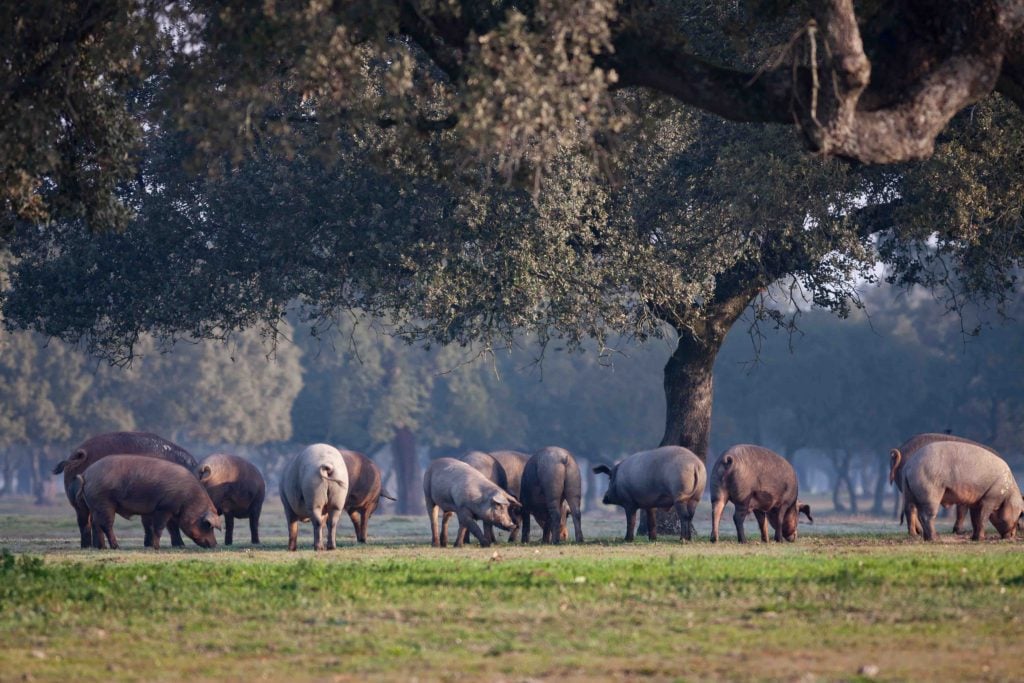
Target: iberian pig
488, 466
953, 473
314, 486
670, 476
551, 481
898, 459
453, 487
237, 488
119, 443
757, 480
364, 490
139, 485
513, 463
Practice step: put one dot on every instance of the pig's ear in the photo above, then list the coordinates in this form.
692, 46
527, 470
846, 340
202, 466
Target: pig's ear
501, 499
211, 520
806, 509
204, 472
603, 469
514, 504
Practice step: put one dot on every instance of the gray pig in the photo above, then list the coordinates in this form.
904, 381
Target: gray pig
551, 481
514, 462
314, 486
488, 466
364, 490
119, 443
138, 485
757, 480
947, 473
898, 459
664, 477
237, 488
456, 488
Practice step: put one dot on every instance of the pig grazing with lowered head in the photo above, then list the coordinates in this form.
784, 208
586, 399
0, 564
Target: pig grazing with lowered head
898, 459
953, 473
314, 487
364, 490
488, 466
119, 443
453, 487
757, 480
138, 485
670, 476
551, 482
513, 463
237, 488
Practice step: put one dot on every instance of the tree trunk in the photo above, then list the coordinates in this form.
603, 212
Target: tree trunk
841, 463
407, 472
689, 386
8, 472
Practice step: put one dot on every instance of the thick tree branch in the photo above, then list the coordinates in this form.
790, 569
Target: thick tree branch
822, 87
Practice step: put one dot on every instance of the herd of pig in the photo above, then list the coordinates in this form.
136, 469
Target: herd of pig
136, 473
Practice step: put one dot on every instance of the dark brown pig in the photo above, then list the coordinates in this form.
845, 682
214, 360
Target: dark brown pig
236, 488
111, 443
453, 487
364, 490
513, 463
898, 459
670, 476
551, 480
139, 485
757, 480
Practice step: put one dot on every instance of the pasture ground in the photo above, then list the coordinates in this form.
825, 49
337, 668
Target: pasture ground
851, 599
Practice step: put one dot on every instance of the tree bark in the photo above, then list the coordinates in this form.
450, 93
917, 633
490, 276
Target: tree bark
407, 472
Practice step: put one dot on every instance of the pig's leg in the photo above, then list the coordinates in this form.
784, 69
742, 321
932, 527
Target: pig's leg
84, 525
147, 529
958, 525
717, 508
254, 521
652, 524
563, 528
175, 532
526, 527
435, 539
489, 532
460, 536
927, 512
685, 533
293, 527
776, 521
316, 518
159, 521
332, 528
762, 524
466, 522
630, 523
229, 529
355, 517
738, 518
984, 510
445, 517
555, 525
103, 525
577, 521
364, 518
691, 509
913, 520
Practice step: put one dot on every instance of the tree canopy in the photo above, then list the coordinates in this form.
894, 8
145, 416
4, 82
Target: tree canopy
505, 85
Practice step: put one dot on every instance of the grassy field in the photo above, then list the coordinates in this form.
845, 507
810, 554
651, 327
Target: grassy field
851, 599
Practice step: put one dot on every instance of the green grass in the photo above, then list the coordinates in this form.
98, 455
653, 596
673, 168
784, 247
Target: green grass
818, 609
